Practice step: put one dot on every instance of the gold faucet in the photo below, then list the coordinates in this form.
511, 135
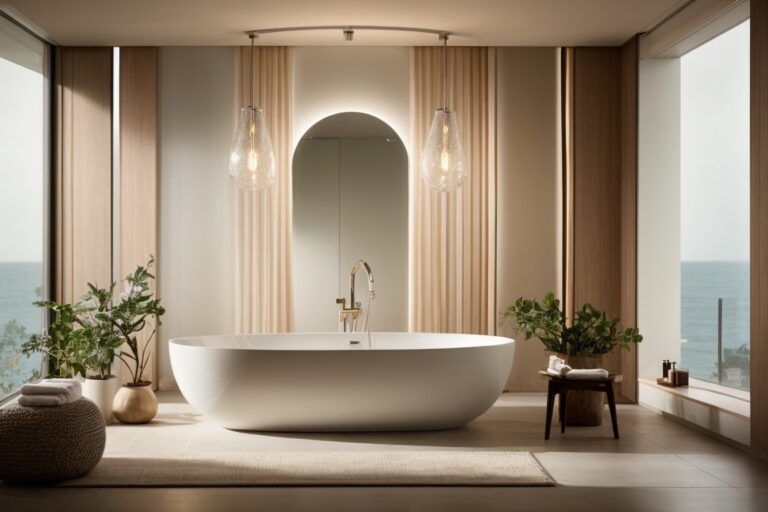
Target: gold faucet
348, 316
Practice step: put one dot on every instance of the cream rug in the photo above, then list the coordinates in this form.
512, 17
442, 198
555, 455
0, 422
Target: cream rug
318, 468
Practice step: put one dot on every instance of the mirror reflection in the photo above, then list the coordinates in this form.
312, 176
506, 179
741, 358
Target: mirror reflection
350, 202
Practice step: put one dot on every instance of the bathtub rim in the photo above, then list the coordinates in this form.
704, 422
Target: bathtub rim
491, 340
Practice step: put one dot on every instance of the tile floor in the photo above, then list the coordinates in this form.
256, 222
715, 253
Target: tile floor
657, 465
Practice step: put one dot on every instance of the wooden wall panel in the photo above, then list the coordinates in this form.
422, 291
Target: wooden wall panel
601, 190
628, 209
138, 168
596, 142
83, 160
759, 221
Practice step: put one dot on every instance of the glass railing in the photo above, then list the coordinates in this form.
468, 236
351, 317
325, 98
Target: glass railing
715, 335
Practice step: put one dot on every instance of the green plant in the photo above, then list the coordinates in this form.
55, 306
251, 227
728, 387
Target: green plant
63, 344
592, 332
99, 335
84, 338
137, 309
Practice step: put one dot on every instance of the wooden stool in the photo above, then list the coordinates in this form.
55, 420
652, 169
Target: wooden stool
561, 386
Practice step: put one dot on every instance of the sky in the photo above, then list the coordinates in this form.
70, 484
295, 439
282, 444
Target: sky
21, 163
715, 149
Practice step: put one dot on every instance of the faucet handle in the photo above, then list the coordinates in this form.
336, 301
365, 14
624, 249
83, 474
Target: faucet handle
358, 305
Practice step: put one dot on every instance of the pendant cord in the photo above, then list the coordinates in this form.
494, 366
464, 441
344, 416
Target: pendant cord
445, 70
250, 74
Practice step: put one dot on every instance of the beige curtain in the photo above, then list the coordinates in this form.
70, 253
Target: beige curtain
263, 287
453, 236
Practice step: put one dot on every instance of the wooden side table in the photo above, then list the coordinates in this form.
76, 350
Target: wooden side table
561, 385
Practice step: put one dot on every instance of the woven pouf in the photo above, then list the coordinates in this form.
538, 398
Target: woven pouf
48, 444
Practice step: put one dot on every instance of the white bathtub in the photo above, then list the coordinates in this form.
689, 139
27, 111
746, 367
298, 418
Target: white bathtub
327, 382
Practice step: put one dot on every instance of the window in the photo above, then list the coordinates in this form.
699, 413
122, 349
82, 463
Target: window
24, 173
714, 209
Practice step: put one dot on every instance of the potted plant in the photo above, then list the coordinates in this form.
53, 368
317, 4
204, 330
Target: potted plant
582, 344
102, 343
137, 309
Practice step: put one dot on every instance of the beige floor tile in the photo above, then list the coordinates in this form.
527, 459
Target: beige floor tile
625, 470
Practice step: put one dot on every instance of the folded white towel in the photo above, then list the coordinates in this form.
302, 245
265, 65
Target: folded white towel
69, 389
596, 373
42, 400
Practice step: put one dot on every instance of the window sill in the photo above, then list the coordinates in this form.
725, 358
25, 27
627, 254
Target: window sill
725, 403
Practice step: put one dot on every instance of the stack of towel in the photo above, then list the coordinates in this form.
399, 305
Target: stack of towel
558, 367
50, 392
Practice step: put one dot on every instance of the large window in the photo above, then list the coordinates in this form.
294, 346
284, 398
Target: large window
714, 209
24, 171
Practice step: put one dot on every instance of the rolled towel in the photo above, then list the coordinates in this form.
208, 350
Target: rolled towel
43, 400
596, 373
557, 367
69, 389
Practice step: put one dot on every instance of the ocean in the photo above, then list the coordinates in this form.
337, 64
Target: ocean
702, 284
19, 288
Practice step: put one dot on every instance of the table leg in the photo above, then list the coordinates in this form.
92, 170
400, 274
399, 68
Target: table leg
563, 409
612, 407
550, 406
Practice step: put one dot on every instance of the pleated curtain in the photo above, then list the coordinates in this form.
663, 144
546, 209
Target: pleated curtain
453, 235
263, 219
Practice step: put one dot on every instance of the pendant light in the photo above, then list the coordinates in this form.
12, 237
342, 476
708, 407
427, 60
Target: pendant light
443, 163
252, 160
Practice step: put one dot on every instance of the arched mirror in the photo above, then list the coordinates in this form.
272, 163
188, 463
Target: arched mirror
350, 202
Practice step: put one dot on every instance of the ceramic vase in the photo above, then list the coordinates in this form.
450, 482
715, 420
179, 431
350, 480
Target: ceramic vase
102, 393
135, 404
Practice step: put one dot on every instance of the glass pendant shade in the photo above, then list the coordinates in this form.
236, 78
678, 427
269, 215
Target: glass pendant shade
443, 163
252, 160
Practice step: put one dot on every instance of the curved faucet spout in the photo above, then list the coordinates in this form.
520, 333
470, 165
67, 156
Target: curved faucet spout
369, 274
352, 311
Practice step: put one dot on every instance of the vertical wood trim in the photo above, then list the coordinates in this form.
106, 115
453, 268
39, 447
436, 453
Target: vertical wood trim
138, 171
601, 190
758, 220
83, 170
567, 107
628, 210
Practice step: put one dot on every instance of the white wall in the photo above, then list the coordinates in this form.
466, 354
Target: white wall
196, 94
372, 80
529, 195
658, 224
375, 81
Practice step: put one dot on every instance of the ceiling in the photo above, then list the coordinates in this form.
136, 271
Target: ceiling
222, 22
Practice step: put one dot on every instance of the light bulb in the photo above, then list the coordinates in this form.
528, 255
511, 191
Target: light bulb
252, 160
443, 163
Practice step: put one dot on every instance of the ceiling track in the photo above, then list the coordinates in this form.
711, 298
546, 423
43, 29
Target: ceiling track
441, 34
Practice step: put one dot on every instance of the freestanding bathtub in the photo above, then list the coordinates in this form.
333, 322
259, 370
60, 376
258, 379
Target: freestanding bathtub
342, 381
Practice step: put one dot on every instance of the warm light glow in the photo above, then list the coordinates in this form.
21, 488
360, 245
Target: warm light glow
253, 160
445, 160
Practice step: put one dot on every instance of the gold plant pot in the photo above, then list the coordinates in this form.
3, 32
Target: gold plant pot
135, 404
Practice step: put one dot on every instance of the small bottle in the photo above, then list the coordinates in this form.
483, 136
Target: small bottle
665, 369
673, 374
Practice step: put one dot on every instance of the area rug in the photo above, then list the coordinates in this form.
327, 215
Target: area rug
422, 468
